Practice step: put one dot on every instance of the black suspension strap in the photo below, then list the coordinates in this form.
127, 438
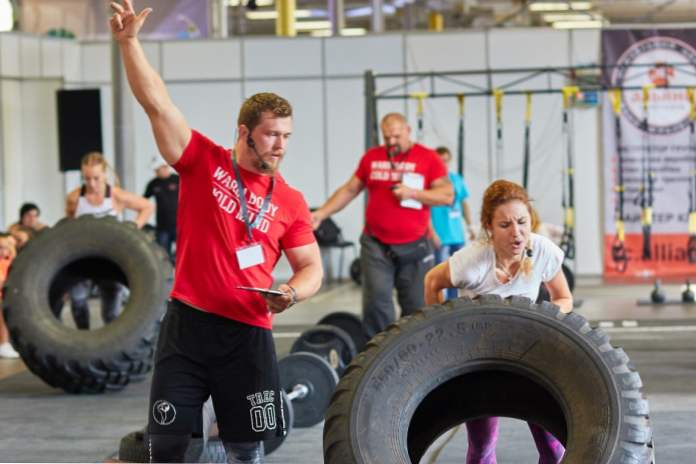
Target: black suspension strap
645, 194
460, 141
568, 186
691, 245
527, 135
498, 94
420, 97
618, 249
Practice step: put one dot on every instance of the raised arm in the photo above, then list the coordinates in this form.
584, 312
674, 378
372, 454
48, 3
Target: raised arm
171, 130
340, 198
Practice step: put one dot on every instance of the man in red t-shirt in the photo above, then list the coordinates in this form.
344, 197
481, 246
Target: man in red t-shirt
236, 215
403, 179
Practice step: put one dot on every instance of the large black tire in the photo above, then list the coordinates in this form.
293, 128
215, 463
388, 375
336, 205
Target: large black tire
87, 361
470, 358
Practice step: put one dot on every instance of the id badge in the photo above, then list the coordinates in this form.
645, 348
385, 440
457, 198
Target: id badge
455, 214
250, 255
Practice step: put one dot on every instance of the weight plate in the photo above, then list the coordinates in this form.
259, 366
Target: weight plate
318, 376
351, 324
331, 343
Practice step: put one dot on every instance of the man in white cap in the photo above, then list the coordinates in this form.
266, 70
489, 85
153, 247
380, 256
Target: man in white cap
165, 188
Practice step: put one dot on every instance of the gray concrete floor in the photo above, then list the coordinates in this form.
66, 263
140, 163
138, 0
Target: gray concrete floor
42, 424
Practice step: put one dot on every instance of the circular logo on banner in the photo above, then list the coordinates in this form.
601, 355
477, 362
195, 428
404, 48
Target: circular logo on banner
662, 62
163, 412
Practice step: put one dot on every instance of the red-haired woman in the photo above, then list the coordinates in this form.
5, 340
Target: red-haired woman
508, 260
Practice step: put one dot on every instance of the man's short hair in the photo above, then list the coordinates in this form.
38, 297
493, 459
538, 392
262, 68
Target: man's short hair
394, 117
27, 207
443, 151
256, 105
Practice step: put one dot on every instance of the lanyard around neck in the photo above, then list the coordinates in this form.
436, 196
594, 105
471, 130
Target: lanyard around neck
243, 202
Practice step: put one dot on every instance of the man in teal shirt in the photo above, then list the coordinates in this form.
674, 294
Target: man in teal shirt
447, 222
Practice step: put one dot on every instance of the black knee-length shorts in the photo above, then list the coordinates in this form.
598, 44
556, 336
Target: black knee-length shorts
200, 354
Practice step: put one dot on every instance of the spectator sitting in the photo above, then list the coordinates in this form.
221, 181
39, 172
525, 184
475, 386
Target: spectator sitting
28, 217
7, 254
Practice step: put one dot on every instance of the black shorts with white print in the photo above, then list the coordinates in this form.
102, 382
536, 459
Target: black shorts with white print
200, 354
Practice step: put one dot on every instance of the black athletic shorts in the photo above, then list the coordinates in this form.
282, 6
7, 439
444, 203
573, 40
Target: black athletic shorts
200, 354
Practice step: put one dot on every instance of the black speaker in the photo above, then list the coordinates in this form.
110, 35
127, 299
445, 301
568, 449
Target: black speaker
79, 126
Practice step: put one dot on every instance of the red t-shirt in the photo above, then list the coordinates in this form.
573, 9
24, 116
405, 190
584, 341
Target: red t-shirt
210, 228
385, 218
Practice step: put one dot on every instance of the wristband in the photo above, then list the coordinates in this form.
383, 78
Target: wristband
293, 295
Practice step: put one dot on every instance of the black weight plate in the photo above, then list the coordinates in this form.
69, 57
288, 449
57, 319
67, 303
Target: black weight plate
273, 444
331, 343
351, 324
318, 376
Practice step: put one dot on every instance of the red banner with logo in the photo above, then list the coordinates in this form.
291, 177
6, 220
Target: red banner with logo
650, 154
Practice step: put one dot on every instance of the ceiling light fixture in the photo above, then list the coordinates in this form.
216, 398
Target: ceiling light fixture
560, 6
595, 24
273, 14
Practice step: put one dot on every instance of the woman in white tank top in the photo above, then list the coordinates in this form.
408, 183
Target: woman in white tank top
510, 260
98, 198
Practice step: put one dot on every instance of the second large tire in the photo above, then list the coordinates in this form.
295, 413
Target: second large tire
87, 361
467, 359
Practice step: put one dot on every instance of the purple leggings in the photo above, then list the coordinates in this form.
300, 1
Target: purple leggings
483, 435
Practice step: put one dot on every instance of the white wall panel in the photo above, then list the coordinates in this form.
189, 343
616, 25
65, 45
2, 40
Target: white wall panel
585, 49
42, 182
13, 162
72, 61
355, 55
31, 56
448, 51
202, 59
9, 55
588, 192
297, 57
524, 48
96, 62
303, 166
210, 109
585, 46
51, 57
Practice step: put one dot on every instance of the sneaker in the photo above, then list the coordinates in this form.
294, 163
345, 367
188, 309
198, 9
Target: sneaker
6, 351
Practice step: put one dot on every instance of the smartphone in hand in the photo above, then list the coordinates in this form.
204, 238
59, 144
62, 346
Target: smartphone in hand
264, 291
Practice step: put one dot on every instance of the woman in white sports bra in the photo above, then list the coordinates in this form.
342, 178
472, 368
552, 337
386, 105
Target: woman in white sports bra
98, 198
509, 260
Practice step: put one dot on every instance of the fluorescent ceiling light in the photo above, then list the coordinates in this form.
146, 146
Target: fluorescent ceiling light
6, 16
273, 14
553, 17
347, 31
363, 11
560, 6
312, 25
353, 31
578, 24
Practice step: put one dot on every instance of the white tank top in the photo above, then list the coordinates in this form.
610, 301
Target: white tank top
106, 208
